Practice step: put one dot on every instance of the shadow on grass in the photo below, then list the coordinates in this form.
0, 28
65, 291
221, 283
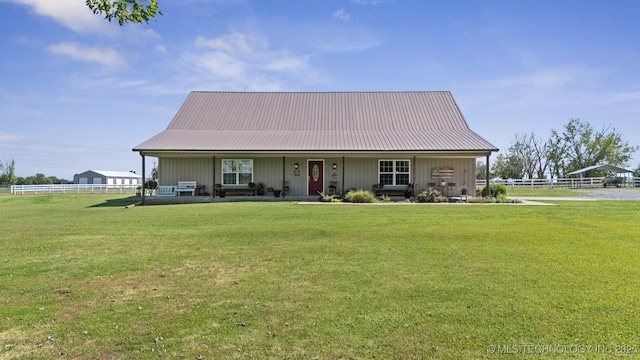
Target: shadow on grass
122, 202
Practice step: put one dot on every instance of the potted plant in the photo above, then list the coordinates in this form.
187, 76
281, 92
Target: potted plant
138, 191
260, 187
443, 182
276, 192
409, 191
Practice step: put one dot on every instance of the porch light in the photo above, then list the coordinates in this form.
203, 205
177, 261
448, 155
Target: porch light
296, 166
334, 166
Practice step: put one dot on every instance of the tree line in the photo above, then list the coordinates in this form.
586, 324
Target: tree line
577, 146
8, 176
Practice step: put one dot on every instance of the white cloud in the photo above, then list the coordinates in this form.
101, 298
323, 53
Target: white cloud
369, 2
340, 14
104, 56
244, 61
73, 14
231, 43
8, 137
285, 63
162, 49
547, 78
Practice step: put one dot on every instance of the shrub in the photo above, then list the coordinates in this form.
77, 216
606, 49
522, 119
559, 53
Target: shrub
500, 199
360, 196
430, 195
496, 190
329, 198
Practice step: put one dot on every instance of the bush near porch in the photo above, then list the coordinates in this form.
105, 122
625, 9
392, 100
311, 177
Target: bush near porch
83, 277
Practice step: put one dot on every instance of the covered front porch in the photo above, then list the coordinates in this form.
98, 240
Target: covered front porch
303, 176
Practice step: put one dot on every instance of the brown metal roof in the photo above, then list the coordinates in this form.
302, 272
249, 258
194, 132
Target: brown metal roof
319, 121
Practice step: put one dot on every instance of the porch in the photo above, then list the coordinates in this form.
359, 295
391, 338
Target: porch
167, 200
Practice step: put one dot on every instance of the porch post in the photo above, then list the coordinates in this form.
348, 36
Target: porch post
144, 190
284, 170
413, 175
487, 174
213, 185
342, 186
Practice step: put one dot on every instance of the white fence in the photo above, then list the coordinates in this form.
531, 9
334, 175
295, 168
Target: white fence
72, 189
558, 183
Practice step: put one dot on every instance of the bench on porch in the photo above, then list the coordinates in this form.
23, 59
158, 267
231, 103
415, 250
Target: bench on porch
392, 190
249, 189
186, 186
165, 190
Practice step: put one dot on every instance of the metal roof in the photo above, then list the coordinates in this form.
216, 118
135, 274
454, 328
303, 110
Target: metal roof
318, 121
606, 167
121, 174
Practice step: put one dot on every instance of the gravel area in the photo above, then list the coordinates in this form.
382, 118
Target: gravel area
612, 194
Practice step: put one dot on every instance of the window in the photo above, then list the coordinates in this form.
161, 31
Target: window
394, 172
237, 172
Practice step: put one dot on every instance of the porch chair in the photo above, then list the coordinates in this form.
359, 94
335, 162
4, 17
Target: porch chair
451, 188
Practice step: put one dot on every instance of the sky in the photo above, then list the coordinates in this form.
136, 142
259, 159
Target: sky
78, 92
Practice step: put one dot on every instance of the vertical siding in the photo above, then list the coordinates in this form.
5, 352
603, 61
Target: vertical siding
359, 173
172, 170
268, 171
464, 171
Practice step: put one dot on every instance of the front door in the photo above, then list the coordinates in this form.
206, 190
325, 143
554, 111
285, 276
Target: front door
316, 177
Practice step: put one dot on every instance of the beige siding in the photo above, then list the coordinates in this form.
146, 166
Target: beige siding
359, 173
172, 170
464, 171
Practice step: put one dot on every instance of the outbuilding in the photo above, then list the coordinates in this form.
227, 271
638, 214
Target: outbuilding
102, 177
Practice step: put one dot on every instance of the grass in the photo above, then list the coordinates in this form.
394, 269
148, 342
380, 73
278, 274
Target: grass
546, 192
83, 277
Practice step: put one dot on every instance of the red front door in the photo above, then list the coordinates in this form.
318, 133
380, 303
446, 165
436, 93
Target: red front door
316, 177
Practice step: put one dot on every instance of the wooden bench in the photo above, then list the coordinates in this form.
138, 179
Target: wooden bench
392, 190
186, 186
165, 191
236, 190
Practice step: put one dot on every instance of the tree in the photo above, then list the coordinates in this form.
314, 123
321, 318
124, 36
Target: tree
154, 172
521, 155
507, 167
125, 11
580, 146
8, 173
481, 170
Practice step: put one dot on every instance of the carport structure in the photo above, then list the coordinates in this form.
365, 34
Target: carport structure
620, 173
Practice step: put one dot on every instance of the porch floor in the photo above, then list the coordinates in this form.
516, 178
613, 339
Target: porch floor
161, 200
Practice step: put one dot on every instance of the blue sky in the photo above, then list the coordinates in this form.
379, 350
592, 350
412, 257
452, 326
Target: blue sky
78, 92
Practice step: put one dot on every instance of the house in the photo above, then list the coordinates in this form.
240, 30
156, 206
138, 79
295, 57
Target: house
305, 142
101, 177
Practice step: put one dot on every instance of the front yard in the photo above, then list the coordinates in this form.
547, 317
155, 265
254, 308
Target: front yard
83, 277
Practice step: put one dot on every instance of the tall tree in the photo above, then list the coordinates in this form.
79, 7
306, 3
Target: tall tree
481, 170
507, 167
125, 11
580, 146
8, 173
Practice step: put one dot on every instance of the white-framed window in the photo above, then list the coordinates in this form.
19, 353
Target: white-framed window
237, 171
394, 172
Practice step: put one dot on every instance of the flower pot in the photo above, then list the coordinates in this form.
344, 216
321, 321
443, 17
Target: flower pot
222, 193
276, 193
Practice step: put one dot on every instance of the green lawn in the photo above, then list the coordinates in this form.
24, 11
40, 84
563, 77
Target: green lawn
83, 277
546, 192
